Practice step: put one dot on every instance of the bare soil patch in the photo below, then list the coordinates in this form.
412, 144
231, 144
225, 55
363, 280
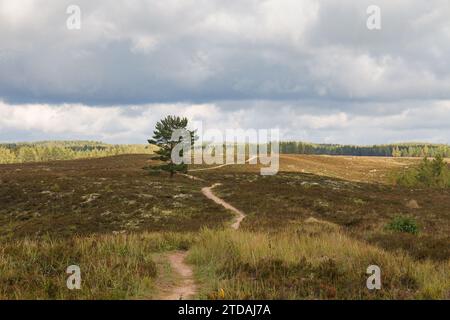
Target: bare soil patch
186, 287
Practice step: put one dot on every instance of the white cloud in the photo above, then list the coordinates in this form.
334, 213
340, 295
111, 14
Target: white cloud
135, 124
143, 44
17, 13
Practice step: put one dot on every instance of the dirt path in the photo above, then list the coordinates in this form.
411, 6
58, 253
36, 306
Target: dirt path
207, 191
187, 287
221, 166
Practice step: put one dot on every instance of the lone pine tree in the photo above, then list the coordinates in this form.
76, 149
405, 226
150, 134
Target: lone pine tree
162, 137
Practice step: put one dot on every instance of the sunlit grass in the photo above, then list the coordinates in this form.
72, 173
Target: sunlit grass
309, 261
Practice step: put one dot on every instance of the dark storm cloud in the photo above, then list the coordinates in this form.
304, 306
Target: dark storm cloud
154, 51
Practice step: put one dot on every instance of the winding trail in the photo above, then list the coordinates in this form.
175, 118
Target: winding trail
207, 191
187, 287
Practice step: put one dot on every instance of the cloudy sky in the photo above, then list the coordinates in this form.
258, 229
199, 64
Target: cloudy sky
309, 67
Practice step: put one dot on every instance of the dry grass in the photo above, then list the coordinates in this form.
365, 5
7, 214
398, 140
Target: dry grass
112, 267
351, 168
362, 169
309, 261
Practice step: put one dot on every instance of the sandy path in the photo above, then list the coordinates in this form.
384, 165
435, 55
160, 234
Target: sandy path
222, 165
191, 177
187, 287
207, 191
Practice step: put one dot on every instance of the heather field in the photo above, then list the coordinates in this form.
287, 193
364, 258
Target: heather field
308, 232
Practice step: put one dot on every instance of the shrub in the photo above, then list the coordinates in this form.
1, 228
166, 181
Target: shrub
403, 224
434, 173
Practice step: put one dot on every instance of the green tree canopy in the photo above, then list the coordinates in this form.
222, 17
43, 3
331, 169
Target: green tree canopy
163, 138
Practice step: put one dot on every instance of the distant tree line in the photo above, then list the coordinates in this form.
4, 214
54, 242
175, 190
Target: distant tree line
65, 150
68, 150
388, 150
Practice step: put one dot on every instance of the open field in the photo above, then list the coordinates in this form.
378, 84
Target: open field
364, 169
362, 208
103, 195
309, 232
